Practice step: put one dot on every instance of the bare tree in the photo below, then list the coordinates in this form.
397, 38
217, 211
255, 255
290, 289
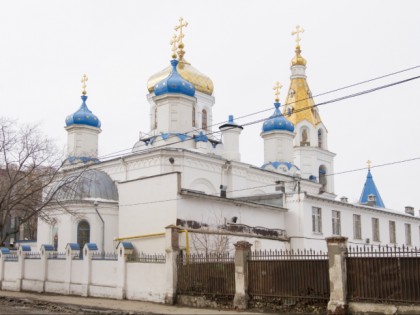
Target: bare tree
29, 163
210, 238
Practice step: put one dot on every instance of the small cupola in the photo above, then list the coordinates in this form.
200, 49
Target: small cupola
370, 194
83, 116
277, 121
174, 83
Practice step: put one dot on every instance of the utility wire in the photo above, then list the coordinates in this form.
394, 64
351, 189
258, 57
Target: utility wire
297, 101
111, 155
294, 180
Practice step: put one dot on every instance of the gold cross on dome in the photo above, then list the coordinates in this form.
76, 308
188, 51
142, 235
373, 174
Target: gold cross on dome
277, 88
369, 162
298, 30
84, 80
179, 27
173, 42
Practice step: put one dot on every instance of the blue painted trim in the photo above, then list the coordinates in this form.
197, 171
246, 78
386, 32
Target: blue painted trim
5, 250
127, 245
73, 246
48, 247
92, 246
26, 248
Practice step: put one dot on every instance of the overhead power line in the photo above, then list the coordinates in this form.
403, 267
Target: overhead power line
385, 86
294, 180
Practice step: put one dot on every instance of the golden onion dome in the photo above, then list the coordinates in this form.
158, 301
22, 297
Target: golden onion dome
298, 59
200, 81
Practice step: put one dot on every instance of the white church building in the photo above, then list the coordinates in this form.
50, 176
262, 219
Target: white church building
180, 174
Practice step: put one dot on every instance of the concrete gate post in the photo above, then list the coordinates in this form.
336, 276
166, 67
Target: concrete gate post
242, 251
171, 268
337, 248
124, 250
3, 253
88, 251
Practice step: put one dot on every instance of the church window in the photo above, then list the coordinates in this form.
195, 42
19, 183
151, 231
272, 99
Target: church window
322, 176
55, 236
316, 220
357, 227
304, 137
392, 234
375, 230
291, 93
193, 116
83, 233
204, 120
336, 222
407, 234
319, 138
289, 111
155, 119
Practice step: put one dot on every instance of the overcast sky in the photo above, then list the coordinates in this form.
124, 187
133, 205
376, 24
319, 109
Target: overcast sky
244, 47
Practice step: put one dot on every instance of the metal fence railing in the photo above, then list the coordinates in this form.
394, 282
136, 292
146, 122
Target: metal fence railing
32, 255
211, 274
383, 274
147, 258
289, 274
57, 255
11, 257
104, 256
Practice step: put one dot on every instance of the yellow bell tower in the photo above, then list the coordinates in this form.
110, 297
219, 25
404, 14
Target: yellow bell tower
310, 145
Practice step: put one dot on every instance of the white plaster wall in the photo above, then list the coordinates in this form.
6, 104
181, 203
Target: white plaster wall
31, 269
216, 211
104, 273
10, 270
299, 223
145, 281
149, 245
174, 113
147, 205
278, 146
230, 138
77, 274
82, 141
56, 270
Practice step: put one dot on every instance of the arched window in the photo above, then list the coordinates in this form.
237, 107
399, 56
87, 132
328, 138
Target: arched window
193, 116
304, 137
320, 138
204, 120
289, 111
83, 233
323, 176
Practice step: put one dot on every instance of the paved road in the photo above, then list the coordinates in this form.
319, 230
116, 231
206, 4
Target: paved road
34, 303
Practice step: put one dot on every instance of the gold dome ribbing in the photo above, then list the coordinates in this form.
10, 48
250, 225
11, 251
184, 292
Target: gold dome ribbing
201, 82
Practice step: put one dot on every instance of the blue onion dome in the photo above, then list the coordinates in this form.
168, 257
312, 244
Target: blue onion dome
174, 83
277, 121
83, 116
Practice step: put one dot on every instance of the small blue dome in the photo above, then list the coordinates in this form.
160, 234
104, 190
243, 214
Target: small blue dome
174, 83
83, 116
277, 121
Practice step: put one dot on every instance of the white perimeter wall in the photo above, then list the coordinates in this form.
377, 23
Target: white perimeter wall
152, 280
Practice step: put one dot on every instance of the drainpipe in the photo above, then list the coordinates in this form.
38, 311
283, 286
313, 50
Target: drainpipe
96, 203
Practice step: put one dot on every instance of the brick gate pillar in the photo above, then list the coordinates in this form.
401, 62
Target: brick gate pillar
242, 251
337, 248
